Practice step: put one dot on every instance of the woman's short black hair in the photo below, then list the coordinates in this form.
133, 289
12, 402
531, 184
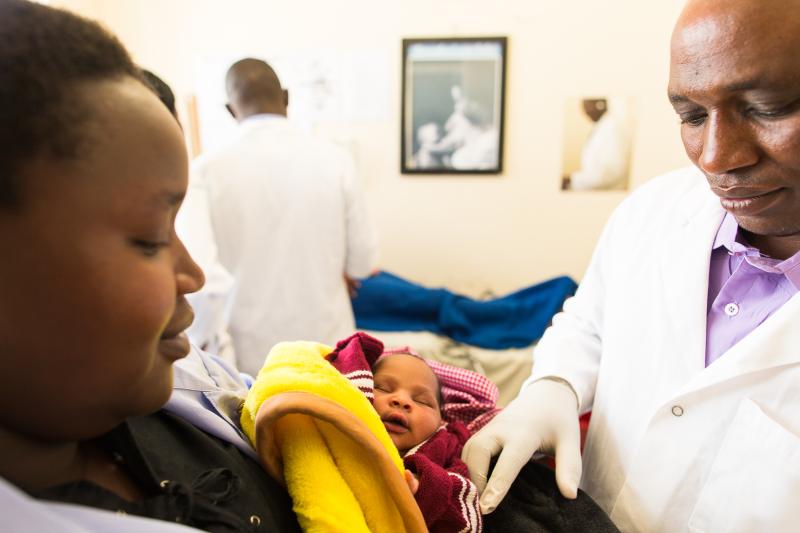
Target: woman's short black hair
44, 54
162, 90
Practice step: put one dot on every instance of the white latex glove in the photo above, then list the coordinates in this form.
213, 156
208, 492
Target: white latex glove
544, 417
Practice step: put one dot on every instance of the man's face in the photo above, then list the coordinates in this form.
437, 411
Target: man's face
407, 399
595, 108
735, 84
93, 281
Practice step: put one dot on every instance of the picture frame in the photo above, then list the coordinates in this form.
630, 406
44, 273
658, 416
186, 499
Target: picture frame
453, 105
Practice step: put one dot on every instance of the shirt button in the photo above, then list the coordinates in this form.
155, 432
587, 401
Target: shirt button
163, 484
677, 410
255, 520
731, 309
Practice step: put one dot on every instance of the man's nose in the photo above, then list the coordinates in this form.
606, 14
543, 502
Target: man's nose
729, 144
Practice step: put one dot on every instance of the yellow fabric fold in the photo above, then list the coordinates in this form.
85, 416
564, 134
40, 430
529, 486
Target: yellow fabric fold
332, 477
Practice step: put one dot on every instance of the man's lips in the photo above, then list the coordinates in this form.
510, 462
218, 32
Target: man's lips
746, 200
737, 192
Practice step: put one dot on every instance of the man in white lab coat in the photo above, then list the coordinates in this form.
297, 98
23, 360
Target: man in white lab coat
684, 337
606, 154
289, 221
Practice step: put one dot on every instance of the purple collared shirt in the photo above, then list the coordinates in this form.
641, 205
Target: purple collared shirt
744, 288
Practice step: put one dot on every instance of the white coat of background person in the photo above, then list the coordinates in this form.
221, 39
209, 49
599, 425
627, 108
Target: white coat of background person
676, 444
209, 330
606, 154
289, 220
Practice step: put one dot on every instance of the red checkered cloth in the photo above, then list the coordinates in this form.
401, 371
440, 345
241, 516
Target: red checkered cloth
468, 397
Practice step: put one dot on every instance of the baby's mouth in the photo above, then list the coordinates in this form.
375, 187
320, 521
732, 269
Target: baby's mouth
395, 423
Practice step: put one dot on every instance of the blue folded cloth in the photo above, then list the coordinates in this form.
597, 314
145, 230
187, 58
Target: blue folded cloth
387, 302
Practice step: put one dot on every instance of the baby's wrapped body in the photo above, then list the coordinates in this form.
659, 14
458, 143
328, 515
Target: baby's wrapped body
428, 422
431, 450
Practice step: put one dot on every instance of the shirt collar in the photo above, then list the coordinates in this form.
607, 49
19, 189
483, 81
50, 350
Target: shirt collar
727, 232
256, 121
262, 117
792, 270
728, 237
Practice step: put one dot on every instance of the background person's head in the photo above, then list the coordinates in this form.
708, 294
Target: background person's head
92, 171
595, 108
408, 399
428, 134
253, 88
735, 83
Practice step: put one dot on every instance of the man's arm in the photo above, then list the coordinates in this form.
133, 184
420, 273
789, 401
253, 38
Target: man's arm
362, 242
545, 414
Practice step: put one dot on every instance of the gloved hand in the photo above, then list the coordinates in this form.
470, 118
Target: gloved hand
544, 417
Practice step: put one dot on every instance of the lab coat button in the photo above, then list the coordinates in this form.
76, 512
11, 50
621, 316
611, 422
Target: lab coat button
731, 309
677, 410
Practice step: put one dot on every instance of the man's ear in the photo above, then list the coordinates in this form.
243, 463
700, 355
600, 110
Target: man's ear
286, 98
230, 110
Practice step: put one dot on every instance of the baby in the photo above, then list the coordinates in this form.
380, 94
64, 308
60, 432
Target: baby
408, 398
406, 394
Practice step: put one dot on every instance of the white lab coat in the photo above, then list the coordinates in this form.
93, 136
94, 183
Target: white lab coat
193, 226
674, 446
289, 221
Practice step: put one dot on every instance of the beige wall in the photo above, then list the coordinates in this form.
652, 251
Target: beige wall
468, 233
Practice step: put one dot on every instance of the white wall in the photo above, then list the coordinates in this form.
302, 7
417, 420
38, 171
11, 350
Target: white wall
468, 233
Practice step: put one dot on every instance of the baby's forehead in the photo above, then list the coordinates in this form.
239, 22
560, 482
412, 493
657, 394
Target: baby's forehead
406, 366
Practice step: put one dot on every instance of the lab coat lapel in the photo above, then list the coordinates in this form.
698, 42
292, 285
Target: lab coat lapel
685, 260
773, 343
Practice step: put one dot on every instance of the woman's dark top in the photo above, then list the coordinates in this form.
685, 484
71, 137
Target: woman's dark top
189, 477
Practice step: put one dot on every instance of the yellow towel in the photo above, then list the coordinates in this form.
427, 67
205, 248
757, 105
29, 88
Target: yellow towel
317, 433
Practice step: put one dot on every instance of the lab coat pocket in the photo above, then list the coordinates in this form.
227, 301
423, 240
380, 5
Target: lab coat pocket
755, 478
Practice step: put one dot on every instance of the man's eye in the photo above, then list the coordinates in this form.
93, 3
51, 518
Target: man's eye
694, 119
770, 112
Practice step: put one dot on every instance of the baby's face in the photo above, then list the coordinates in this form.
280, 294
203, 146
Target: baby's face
407, 399
428, 133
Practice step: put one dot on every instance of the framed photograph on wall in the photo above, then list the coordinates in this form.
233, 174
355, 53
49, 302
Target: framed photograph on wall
453, 103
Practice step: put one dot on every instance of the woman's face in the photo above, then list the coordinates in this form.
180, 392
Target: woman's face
93, 276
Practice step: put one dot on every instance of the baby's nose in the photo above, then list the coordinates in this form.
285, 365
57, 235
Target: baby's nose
400, 402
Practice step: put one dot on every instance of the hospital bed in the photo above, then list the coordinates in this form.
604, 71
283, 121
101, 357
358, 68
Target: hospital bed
493, 336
